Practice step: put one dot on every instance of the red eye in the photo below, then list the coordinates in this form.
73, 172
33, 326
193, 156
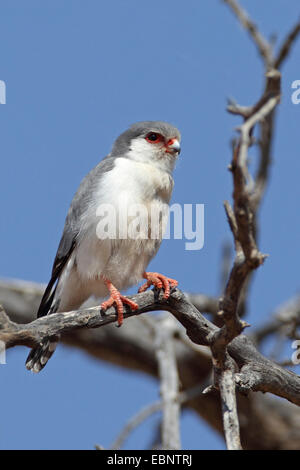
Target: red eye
153, 137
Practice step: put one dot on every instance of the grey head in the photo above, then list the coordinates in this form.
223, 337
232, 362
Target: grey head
140, 130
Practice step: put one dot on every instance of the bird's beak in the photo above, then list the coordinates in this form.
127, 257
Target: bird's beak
173, 146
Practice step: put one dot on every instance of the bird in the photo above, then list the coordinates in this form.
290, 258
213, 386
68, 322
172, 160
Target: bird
137, 173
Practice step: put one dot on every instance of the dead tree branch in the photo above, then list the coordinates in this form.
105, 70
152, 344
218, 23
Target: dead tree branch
231, 424
169, 382
263, 46
286, 319
247, 259
286, 46
242, 218
256, 372
260, 42
265, 423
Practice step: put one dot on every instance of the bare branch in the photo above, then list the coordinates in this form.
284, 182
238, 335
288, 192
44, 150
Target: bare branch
267, 376
261, 43
149, 410
240, 219
203, 303
231, 425
286, 318
234, 108
169, 382
134, 422
226, 258
248, 257
286, 45
265, 423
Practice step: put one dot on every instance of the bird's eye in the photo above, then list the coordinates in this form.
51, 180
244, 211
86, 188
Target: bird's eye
153, 137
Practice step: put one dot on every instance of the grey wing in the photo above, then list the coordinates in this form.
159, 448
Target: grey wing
67, 243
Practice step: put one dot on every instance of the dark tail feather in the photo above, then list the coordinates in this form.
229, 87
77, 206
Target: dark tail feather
38, 357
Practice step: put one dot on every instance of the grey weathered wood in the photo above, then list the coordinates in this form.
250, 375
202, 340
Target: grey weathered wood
256, 372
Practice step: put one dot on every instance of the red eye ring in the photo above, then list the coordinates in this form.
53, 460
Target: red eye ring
153, 137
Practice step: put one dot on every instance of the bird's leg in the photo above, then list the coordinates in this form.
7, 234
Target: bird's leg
160, 282
119, 300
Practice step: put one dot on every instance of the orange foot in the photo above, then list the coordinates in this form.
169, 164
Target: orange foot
160, 281
119, 300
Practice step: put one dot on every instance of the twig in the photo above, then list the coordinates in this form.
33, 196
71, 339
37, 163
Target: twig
286, 317
147, 411
234, 108
286, 46
225, 261
134, 422
262, 45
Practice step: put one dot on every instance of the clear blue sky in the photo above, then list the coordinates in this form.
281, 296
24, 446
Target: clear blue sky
77, 74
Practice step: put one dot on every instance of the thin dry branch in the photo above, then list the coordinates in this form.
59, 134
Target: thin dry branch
261, 43
134, 422
286, 319
263, 46
286, 46
149, 410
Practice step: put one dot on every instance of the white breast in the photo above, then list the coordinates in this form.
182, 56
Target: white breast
122, 261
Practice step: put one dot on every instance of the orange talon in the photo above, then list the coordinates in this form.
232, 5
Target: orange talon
119, 300
159, 281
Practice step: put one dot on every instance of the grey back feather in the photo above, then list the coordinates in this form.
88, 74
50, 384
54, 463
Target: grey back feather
81, 202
